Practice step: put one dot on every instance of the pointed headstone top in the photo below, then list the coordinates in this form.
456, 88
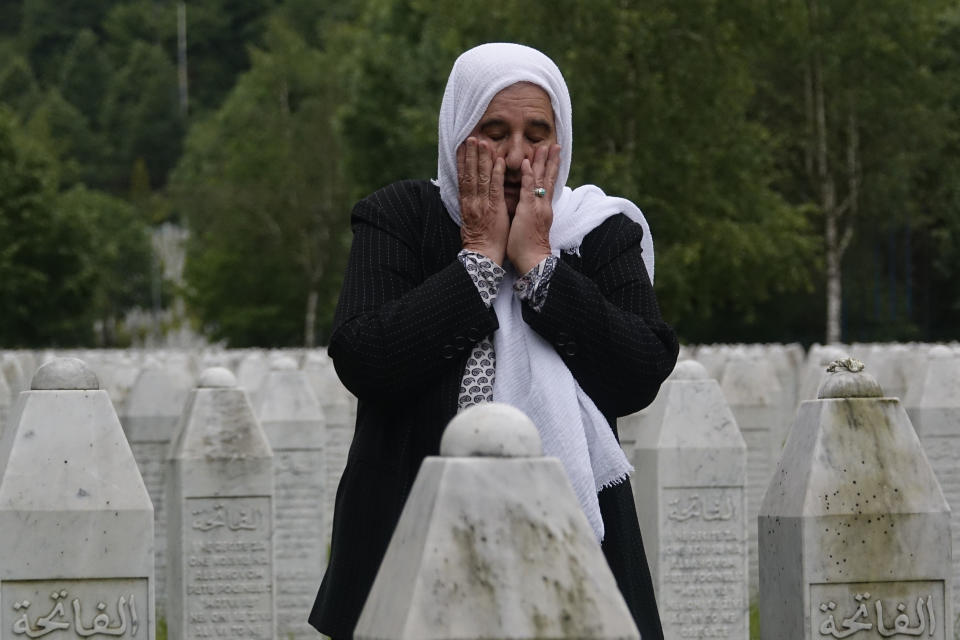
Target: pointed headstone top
689, 370
70, 374
847, 379
217, 378
491, 429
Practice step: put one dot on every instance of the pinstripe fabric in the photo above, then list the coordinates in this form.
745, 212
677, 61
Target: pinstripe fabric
406, 321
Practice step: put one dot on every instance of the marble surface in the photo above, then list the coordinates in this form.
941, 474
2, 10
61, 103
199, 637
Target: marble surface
753, 392
491, 429
494, 548
220, 523
75, 516
689, 488
854, 515
936, 419
295, 425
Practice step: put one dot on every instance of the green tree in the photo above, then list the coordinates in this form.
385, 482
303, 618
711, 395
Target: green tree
45, 282
119, 258
48, 27
850, 88
261, 189
85, 74
140, 115
18, 86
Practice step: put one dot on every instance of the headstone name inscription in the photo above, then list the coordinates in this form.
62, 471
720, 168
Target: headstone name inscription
220, 520
70, 487
854, 529
689, 484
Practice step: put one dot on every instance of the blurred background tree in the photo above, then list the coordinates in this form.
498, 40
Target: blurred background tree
753, 134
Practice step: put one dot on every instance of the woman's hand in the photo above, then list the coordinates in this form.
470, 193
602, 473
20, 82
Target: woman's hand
484, 221
529, 239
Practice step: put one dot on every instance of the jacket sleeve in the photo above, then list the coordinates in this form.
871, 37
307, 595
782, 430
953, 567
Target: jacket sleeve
605, 323
397, 328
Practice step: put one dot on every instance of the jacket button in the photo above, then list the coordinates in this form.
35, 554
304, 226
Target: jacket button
473, 335
570, 348
563, 338
448, 351
460, 343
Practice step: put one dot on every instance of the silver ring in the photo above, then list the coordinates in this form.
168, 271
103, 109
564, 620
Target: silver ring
539, 192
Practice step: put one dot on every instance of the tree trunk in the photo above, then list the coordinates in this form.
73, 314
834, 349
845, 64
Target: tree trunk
834, 287
310, 319
835, 242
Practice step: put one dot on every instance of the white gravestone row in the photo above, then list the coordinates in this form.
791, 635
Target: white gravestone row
6, 401
937, 422
340, 411
690, 491
753, 393
152, 412
75, 518
477, 551
293, 421
854, 528
220, 495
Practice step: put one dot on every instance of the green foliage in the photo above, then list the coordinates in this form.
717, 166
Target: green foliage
698, 111
48, 27
45, 282
140, 115
120, 255
85, 74
261, 189
18, 86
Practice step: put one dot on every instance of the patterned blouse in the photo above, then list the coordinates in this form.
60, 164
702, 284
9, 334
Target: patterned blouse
532, 287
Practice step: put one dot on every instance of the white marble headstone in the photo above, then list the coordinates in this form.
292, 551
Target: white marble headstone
294, 423
854, 529
937, 422
340, 411
753, 393
220, 517
75, 517
153, 408
492, 543
690, 491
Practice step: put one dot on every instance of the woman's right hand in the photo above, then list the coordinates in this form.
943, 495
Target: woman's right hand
485, 225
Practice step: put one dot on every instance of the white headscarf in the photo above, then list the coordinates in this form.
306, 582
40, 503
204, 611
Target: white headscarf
529, 374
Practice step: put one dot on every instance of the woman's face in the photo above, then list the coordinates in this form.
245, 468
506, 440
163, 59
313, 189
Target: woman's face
517, 121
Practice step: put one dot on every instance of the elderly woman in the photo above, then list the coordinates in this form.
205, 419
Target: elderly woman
494, 282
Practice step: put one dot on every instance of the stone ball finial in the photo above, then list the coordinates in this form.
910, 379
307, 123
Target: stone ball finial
493, 430
65, 374
847, 379
689, 370
217, 378
283, 363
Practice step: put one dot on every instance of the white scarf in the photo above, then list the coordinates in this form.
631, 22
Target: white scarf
529, 373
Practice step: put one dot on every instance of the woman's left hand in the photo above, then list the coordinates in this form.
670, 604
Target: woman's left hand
529, 239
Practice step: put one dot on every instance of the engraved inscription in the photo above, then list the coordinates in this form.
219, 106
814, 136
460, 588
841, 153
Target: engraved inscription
108, 607
229, 568
942, 451
703, 563
300, 552
151, 460
877, 610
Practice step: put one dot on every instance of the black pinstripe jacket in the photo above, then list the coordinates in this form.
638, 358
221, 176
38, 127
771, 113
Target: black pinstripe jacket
407, 318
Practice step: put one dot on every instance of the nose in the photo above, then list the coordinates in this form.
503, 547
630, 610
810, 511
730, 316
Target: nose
516, 149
